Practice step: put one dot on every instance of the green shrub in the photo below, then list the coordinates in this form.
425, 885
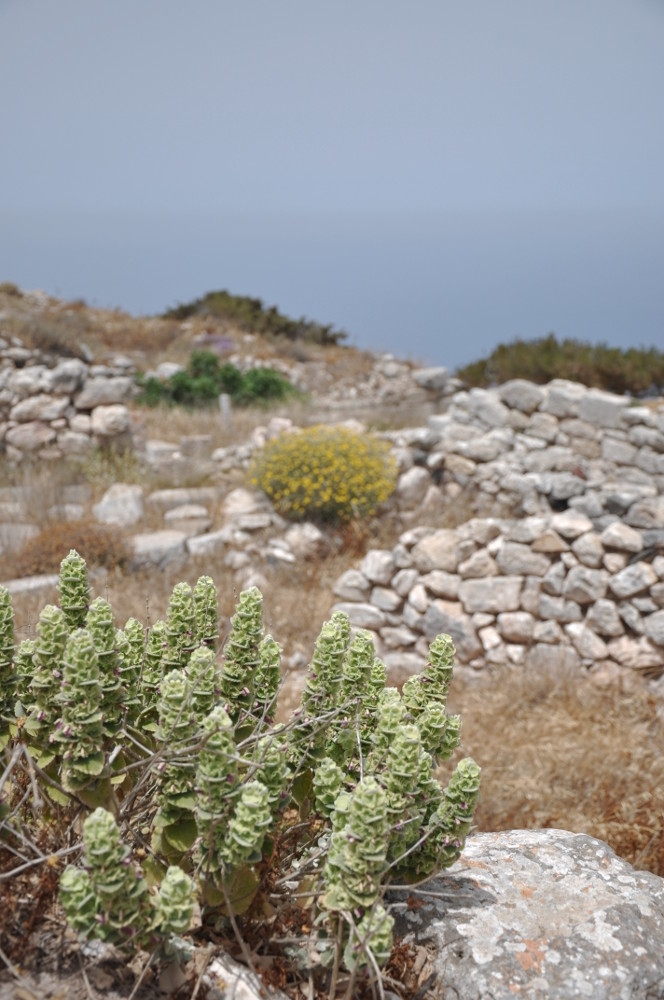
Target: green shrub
172, 747
251, 315
636, 371
325, 473
205, 379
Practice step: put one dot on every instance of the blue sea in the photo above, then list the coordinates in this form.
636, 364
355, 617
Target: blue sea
443, 288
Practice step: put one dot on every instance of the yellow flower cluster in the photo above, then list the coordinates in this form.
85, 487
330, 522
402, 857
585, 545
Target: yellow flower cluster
325, 473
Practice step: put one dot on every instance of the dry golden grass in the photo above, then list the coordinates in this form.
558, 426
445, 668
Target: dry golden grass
99, 544
560, 751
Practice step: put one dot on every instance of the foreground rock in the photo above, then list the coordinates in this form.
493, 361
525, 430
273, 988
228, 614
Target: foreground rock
539, 913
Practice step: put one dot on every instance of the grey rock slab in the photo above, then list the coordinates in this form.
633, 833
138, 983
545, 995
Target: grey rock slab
603, 409
621, 536
179, 496
121, 504
620, 452
239, 502
585, 585
604, 619
587, 643
543, 914
191, 518
216, 541
41, 585
653, 627
305, 540
412, 486
637, 654
437, 551
479, 564
546, 656
39, 407
515, 559
386, 599
633, 579
158, 548
571, 523
104, 392
31, 436
563, 397
441, 584
448, 617
434, 379
516, 626
397, 636
589, 549
404, 663
362, 615
520, 394
66, 378
378, 566
499, 593
110, 420
404, 581
418, 598
550, 543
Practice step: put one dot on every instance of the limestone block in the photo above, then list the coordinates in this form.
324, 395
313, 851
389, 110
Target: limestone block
442, 584
73, 443
24, 382
550, 543
565, 485
121, 504
240, 502
481, 449
516, 626
110, 421
587, 643
530, 595
637, 654
563, 398
602, 409
158, 548
378, 566
437, 551
412, 486
104, 392
545, 656
620, 452
522, 395
515, 559
167, 499
539, 914
543, 426
589, 549
31, 436
386, 599
214, 542
402, 663
362, 615
646, 513
397, 637
490, 638
653, 627
499, 593
604, 619
404, 581
479, 564
191, 518
621, 536
633, 579
646, 437
66, 378
571, 523
448, 617
43, 585
657, 594
435, 378
305, 540
585, 585
39, 407
547, 632
418, 598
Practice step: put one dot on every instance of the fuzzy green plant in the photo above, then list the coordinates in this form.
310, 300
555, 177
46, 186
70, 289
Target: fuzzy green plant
109, 899
7, 671
178, 740
74, 589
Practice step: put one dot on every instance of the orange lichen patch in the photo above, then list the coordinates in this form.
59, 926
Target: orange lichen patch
526, 891
532, 958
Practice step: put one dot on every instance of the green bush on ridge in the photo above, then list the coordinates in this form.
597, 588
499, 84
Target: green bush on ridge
170, 744
636, 371
251, 315
205, 379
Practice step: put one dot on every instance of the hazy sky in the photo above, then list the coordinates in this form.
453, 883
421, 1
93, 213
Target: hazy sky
199, 139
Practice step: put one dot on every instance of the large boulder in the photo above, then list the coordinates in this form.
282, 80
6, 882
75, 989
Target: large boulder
538, 914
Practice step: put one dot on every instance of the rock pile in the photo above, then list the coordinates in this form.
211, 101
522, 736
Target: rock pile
53, 407
576, 578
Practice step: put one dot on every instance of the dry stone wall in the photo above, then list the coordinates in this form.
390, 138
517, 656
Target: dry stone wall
53, 407
576, 577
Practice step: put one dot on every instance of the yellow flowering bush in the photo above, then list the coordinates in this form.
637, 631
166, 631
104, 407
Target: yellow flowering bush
326, 473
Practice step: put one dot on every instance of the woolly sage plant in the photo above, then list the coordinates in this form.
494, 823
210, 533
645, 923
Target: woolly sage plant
178, 740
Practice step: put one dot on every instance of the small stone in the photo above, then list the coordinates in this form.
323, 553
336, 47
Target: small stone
516, 626
352, 586
588, 549
378, 566
363, 615
653, 627
633, 580
620, 536
550, 543
418, 598
497, 594
588, 645
480, 564
571, 523
386, 599
604, 619
121, 504
585, 585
